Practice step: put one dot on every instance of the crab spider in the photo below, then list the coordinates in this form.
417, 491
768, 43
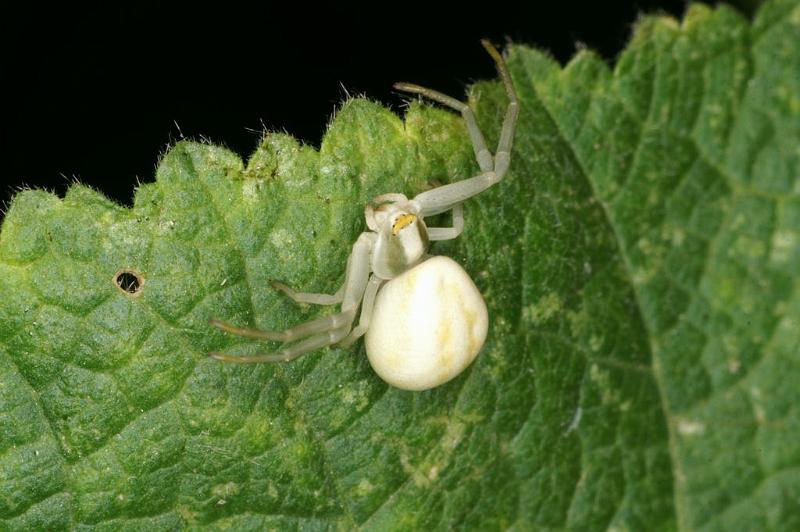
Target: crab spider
424, 319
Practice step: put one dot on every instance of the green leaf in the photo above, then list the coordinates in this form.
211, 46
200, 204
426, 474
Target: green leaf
640, 263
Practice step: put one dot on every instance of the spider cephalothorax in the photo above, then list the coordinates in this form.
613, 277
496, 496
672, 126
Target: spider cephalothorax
402, 237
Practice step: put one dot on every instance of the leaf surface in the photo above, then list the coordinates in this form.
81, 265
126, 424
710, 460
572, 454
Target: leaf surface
640, 265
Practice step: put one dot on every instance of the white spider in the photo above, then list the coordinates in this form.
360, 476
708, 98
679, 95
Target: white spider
424, 319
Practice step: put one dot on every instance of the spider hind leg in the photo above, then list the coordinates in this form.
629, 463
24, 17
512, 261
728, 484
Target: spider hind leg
289, 353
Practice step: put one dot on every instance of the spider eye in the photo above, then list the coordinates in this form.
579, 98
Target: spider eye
402, 221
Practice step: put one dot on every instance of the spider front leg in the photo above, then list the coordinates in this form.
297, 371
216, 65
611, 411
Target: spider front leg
449, 233
493, 168
317, 333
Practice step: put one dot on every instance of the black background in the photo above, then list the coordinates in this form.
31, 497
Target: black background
97, 93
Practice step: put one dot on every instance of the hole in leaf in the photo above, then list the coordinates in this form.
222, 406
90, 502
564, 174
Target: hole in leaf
129, 281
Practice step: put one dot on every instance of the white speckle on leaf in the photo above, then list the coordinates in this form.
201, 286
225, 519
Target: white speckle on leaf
643, 275
576, 420
783, 245
348, 397
455, 431
501, 325
595, 343
250, 189
608, 394
355, 395
578, 321
281, 238
545, 308
795, 16
688, 427
365, 487
416, 476
678, 236
223, 490
758, 408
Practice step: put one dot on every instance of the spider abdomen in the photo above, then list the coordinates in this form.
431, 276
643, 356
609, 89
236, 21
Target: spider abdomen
428, 325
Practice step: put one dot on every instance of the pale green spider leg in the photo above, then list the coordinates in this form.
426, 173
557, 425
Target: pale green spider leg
449, 233
494, 168
309, 297
367, 305
317, 333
